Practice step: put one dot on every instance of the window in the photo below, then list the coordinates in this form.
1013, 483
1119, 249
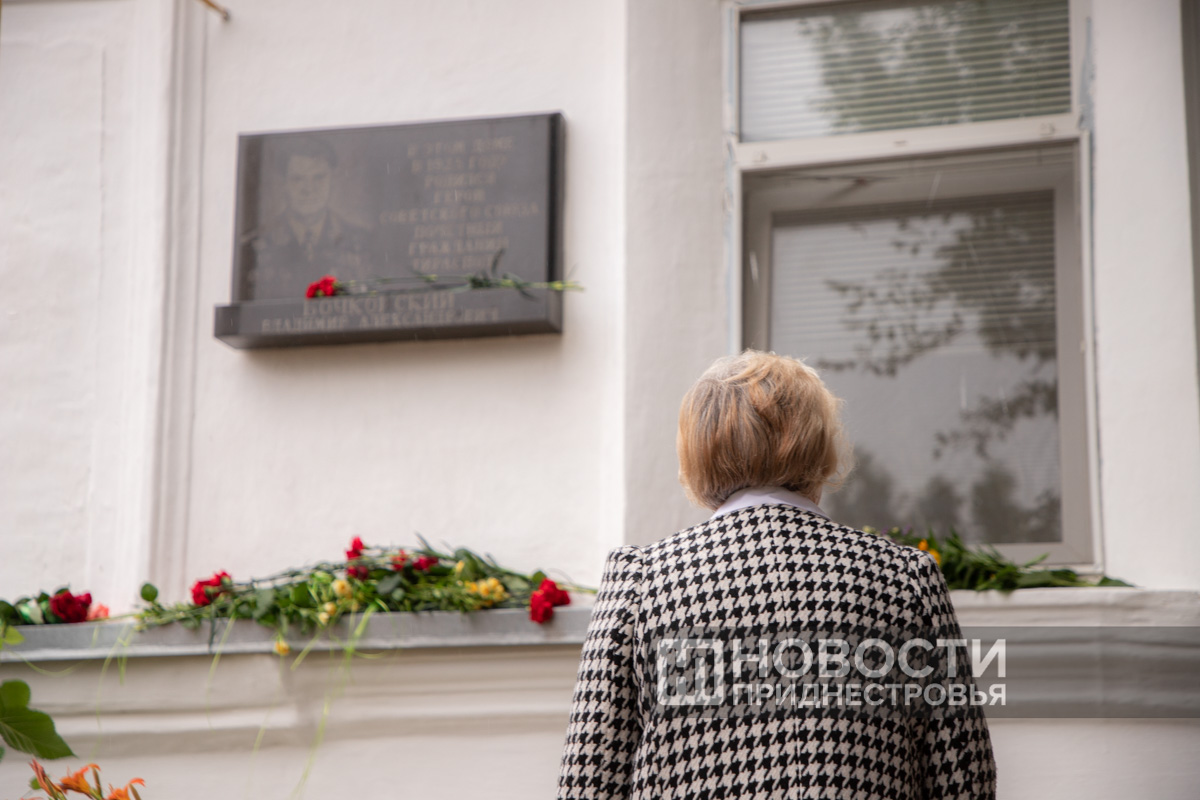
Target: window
909, 180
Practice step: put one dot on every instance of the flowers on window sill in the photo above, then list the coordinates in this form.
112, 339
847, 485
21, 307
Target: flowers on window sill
50, 609
544, 599
204, 591
982, 567
370, 579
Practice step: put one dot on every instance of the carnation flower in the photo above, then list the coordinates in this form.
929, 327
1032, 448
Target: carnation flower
540, 608
544, 599
327, 286
203, 592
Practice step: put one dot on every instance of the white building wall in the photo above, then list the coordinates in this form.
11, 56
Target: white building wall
66, 109
1149, 415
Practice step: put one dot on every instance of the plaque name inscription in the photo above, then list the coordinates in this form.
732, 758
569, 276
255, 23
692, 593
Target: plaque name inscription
404, 216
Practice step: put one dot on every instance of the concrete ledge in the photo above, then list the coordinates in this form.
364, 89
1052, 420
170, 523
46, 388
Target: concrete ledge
397, 631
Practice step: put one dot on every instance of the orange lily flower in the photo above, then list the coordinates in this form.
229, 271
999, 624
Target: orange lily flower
44, 781
75, 782
123, 794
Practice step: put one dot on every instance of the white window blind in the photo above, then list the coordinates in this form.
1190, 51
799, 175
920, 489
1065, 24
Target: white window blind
935, 322
876, 66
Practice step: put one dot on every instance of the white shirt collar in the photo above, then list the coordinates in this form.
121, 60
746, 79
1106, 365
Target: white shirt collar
760, 495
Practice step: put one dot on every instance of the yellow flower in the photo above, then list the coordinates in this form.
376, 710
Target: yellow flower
923, 545
341, 587
458, 568
490, 590
936, 556
282, 647
331, 608
323, 617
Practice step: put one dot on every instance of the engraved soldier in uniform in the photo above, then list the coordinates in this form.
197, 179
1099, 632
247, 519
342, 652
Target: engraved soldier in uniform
309, 238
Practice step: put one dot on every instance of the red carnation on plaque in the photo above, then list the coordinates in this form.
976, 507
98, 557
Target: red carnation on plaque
327, 286
399, 560
544, 599
204, 592
71, 607
424, 562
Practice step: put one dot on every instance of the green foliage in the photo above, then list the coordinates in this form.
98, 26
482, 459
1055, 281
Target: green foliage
27, 611
25, 729
983, 567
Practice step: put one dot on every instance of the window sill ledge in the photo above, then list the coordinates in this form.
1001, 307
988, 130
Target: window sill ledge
512, 627
1084, 606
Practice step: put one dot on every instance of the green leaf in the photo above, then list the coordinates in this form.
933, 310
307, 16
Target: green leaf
300, 596
390, 583
14, 694
149, 592
12, 636
31, 612
263, 600
26, 729
536, 578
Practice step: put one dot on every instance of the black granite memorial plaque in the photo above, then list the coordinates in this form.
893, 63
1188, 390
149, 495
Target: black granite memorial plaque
402, 216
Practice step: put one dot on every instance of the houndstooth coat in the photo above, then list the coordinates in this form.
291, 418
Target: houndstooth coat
761, 565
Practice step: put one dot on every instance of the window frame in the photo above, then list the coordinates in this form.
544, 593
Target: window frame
750, 218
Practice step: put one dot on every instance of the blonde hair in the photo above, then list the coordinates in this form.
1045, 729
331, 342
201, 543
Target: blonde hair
760, 419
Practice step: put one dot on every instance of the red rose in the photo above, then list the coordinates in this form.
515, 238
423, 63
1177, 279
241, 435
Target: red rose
540, 607
424, 562
555, 595
398, 561
312, 289
69, 607
203, 592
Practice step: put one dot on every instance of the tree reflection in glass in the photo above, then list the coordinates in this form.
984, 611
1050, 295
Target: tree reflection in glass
936, 323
